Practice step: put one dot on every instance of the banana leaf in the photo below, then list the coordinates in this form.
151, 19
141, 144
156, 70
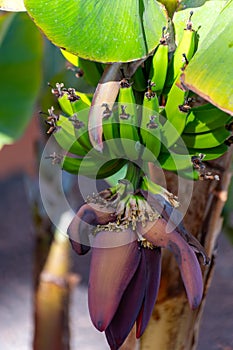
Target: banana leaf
210, 72
104, 30
20, 69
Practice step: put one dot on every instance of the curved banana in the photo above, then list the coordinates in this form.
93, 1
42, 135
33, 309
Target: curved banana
205, 118
128, 119
159, 65
111, 132
176, 97
176, 118
92, 167
210, 153
77, 110
174, 161
79, 119
185, 49
150, 129
66, 137
65, 105
209, 139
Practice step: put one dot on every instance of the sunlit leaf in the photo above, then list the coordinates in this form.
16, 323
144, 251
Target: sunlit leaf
104, 30
210, 72
20, 70
203, 18
12, 5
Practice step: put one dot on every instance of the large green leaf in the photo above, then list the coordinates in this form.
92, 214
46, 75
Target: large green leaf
103, 30
210, 72
20, 70
203, 18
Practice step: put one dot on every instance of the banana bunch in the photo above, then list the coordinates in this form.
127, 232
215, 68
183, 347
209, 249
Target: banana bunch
155, 118
70, 130
186, 128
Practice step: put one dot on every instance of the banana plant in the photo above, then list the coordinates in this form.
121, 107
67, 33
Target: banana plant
163, 100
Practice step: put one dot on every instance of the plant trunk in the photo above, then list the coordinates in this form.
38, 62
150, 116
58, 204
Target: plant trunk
52, 298
173, 324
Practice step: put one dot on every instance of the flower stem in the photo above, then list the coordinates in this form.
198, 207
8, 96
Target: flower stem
134, 175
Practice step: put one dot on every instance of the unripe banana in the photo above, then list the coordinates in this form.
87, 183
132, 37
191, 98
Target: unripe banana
66, 137
80, 121
159, 65
210, 153
174, 161
111, 132
175, 125
186, 48
150, 129
91, 167
211, 139
176, 96
128, 118
184, 52
205, 118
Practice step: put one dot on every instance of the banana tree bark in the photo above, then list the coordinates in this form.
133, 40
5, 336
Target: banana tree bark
52, 298
173, 325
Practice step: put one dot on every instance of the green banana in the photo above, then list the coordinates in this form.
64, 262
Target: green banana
83, 103
176, 96
92, 71
209, 139
88, 166
176, 119
185, 49
210, 153
66, 137
77, 112
159, 65
150, 129
205, 118
128, 123
111, 132
65, 105
174, 161
79, 120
